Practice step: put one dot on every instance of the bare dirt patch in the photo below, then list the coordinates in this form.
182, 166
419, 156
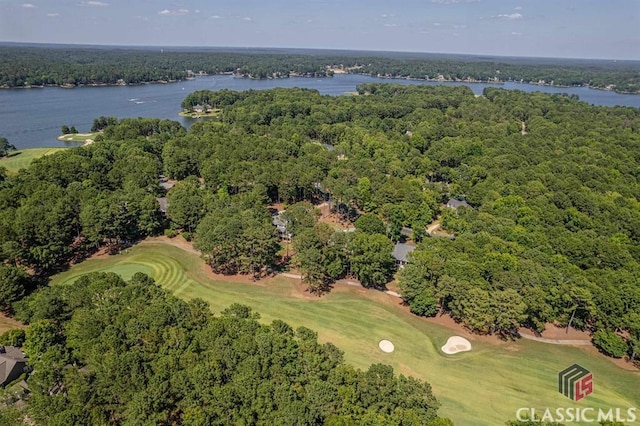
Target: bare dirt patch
554, 332
7, 323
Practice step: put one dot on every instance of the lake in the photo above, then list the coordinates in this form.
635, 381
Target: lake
32, 118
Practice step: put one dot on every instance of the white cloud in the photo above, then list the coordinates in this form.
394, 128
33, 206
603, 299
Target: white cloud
28, 5
215, 17
506, 16
390, 25
53, 15
93, 3
460, 27
179, 12
517, 8
248, 19
436, 24
513, 33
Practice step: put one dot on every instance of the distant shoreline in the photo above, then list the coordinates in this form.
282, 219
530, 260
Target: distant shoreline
284, 76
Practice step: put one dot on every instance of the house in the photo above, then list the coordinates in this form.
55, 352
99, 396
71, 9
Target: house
13, 362
401, 254
281, 226
454, 204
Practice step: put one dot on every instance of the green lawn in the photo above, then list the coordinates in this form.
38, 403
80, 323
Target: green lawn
21, 159
482, 387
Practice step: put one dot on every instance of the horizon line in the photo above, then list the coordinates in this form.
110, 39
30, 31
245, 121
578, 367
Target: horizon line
317, 49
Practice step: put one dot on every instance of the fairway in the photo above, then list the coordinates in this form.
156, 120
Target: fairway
21, 159
482, 387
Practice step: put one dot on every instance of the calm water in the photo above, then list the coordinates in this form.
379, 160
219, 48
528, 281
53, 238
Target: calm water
32, 117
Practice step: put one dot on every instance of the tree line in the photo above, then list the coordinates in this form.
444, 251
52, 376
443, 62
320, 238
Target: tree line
77, 66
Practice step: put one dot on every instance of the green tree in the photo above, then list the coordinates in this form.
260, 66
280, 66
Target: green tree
14, 337
13, 285
371, 259
235, 241
370, 224
188, 204
424, 304
610, 343
5, 147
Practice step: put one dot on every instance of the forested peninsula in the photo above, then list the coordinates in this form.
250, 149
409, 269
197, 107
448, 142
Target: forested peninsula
71, 66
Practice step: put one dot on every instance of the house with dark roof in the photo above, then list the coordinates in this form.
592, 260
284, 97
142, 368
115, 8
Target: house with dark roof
13, 362
401, 254
454, 204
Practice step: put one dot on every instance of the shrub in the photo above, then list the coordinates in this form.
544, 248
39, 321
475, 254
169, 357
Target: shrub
610, 343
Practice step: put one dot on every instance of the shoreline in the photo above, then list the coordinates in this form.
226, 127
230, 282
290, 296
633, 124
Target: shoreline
388, 77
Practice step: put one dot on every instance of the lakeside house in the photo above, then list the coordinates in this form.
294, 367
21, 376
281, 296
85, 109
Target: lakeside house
13, 362
454, 204
401, 254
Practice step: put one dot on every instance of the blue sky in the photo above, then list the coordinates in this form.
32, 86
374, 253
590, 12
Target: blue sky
608, 29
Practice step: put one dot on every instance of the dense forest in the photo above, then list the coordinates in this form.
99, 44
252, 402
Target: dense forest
551, 234
106, 351
59, 65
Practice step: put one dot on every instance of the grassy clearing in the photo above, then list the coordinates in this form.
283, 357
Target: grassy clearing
78, 137
482, 387
21, 159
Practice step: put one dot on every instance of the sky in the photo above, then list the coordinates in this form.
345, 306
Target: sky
604, 29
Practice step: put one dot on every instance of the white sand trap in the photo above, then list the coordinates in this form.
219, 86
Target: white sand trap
386, 346
456, 344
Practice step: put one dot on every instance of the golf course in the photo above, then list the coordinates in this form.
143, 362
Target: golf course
484, 386
21, 159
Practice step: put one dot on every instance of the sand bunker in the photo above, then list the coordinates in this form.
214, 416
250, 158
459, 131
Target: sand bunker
386, 346
456, 344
